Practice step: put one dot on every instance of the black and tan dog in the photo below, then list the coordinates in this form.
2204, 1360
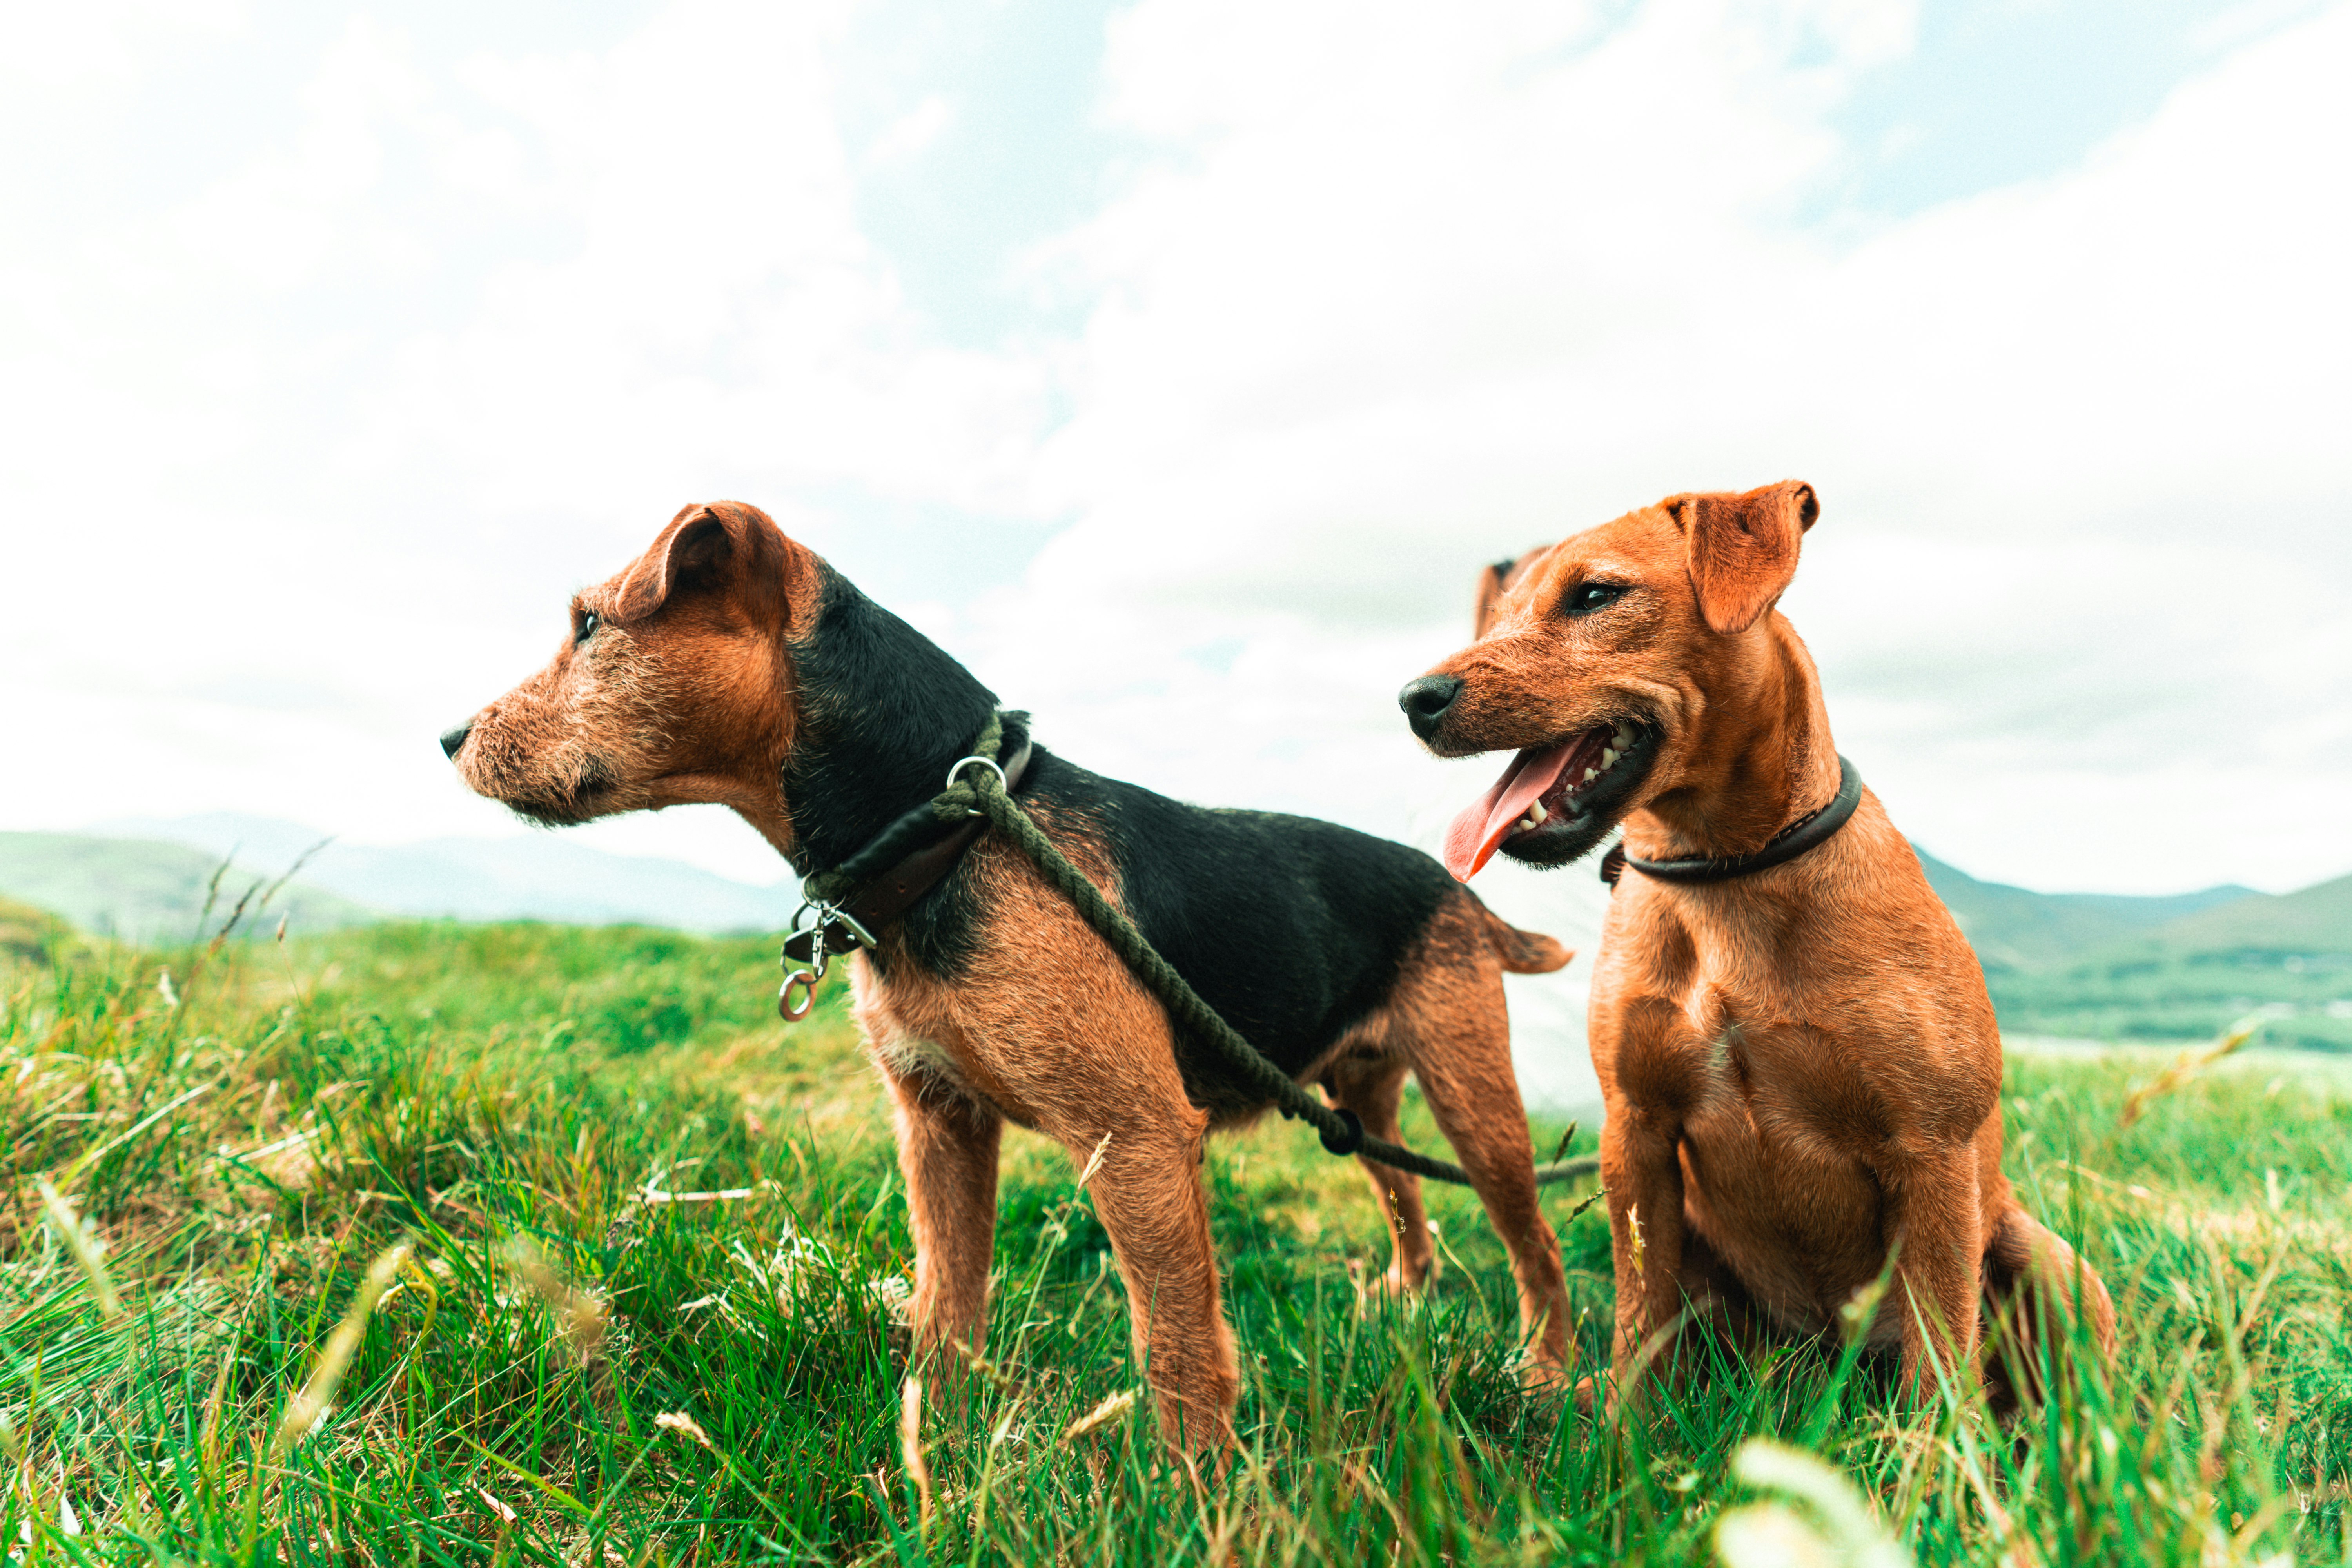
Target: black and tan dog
729, 664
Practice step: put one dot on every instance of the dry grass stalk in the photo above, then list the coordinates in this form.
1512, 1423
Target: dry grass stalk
581, 1317
1585, 1202
652, 1196
997, 1377
91, 1156
1100, 1417
1094, 1159
685, 1426
2187, 1066
77, 1241
309, 1407
910, 1446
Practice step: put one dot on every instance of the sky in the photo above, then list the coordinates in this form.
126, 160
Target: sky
1177, 364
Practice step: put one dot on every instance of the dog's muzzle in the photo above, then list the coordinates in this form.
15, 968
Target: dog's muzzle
1427, 700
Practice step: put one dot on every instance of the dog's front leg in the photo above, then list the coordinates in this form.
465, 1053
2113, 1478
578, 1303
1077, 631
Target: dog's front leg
1640, 1166
1933, 1222
1146, 1188
947, 1153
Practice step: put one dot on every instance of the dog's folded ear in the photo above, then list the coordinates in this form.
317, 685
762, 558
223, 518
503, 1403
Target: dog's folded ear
1496, 581
1742, 549
704, 547
1491, 584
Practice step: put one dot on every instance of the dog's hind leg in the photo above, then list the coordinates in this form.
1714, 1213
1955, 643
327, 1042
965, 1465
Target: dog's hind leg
947, 1153
1373, 1087
1449, 1010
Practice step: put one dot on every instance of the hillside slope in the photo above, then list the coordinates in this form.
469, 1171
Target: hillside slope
2288, 957
536, 876
2315, 923
2016, 928
146, 891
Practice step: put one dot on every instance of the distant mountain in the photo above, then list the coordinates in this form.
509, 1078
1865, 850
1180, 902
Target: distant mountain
2313, 925
146, 891
2095, 965
2016, 928
539, 876
2288, 958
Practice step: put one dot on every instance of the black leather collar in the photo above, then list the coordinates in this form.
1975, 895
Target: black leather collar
1814, 827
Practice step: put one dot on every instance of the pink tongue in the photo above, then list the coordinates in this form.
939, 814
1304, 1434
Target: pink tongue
1470, 843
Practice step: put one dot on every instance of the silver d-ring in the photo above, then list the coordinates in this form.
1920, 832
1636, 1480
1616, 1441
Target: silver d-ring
991, 763
784, 1008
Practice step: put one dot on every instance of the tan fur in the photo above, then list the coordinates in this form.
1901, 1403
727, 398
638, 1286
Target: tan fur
687, 694
1800, 1067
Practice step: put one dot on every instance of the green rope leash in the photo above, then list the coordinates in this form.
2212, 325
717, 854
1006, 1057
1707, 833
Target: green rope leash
978, 790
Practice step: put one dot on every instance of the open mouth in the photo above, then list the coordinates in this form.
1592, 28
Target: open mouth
1556, 802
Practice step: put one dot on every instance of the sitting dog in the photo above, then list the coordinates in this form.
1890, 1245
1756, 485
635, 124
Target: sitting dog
729, 664
1797, 1057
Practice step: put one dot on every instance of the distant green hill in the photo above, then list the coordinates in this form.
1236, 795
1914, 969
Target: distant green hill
30, 935
2089, 965
2016, 928
145, 891
2288, 957
2314, 925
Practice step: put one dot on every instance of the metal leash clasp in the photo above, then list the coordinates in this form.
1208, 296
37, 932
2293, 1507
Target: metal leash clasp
819, 931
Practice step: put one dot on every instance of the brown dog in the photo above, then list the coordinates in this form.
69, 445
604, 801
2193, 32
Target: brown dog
1799, 1065
729, 664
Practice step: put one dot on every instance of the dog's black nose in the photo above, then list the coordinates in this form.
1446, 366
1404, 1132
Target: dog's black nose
1425, 701
454, 739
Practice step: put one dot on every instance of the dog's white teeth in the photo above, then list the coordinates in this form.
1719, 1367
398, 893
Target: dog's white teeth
1608, 758
1591, 774
1624, 737
1536, 814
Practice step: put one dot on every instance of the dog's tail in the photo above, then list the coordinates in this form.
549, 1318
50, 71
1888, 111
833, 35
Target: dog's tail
1522, 951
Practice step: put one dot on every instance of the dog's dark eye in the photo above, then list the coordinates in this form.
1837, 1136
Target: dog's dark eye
587, 626
1587, 597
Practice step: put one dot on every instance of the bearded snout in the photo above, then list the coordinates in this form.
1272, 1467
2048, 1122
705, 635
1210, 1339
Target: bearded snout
505, 753
521, 747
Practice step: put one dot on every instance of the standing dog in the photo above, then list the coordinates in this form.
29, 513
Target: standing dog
1799, 1065
729, 664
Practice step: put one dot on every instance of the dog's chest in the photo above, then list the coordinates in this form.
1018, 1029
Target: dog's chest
914, 1032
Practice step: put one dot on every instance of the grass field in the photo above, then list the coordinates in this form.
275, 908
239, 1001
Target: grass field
247, 1132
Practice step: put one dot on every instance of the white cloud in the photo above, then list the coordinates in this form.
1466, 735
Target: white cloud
1404, 295
907, 137
360, 407
310, 435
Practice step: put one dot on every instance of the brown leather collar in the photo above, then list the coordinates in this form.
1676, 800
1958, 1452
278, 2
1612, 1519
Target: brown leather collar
892, 893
